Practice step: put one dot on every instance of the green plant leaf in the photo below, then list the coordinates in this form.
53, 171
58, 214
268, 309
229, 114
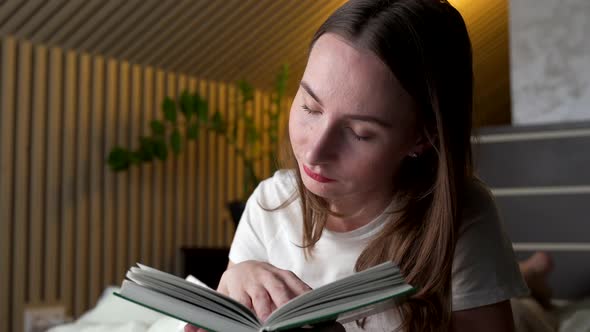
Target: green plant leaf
175, 141
158, 128
201, 108
169, 108
135, 158
217, 123
146, 150
186, 105
252, 135
192, 132
160, 149
281, 83
119, 159
247, 91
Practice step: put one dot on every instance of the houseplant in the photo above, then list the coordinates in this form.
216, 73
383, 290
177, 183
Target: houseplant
183, 119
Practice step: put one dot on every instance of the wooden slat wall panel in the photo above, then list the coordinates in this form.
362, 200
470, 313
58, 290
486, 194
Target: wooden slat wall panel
146, 216
258, 120
67, 177
241, 145
7, 102
212, 170
109, 186
180, 187
265, 138
97, 152
122, 196
222, 170
158, 181
82, 186
37, 184
21, 181
231, 157
202, 179
69, 226
135, 187
54, 163
191, 179
169, 185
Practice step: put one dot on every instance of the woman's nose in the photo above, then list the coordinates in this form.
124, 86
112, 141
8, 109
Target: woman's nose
323, 146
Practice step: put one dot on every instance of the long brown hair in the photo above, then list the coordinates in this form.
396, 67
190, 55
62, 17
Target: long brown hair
426, 46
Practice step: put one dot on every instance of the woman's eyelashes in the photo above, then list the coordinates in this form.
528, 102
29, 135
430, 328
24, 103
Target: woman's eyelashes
350, 131
358, 137
309, 110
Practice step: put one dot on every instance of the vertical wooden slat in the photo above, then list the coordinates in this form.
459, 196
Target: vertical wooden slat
265, 137
191, 180
231, 157
212, 218
7, 92
54, 163
222, 170
67, 180
258, 145
134, 184
82, 183
21, 185
158, 186
241, 145
180, 180
248, 144
203, 194
37, 183
96, 149
122, 196
109, 185
146, 217
169, 191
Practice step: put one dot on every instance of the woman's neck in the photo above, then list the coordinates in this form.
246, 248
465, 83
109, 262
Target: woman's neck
356, 212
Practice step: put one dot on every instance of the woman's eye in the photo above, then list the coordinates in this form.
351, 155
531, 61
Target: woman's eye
358, 137
308, 110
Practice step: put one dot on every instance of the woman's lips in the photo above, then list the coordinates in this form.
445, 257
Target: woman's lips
316, 176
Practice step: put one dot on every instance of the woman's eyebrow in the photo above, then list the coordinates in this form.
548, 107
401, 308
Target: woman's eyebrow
369, 118
358, 117
310, 92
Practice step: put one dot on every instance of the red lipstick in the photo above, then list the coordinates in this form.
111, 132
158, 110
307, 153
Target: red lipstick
316, 176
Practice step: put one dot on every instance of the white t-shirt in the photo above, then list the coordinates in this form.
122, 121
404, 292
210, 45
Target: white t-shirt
484, 267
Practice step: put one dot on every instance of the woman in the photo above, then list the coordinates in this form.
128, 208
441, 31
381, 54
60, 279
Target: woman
381, 170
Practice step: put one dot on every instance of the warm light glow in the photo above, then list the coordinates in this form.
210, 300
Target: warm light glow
461, 5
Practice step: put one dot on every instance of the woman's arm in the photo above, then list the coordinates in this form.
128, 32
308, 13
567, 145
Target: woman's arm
493, 317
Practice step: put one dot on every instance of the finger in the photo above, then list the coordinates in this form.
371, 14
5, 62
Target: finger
191, 328
296, 285
279, 292
243, 298
261, 302
222, 288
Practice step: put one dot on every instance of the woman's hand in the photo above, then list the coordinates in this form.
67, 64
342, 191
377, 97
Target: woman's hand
325, 327
259, 286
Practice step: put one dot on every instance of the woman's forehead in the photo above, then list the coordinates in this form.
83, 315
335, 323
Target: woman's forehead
342, 75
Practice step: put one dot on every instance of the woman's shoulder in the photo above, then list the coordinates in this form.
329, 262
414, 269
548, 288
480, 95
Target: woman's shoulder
478, 204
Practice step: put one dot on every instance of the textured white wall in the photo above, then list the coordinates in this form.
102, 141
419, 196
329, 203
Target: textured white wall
550, 60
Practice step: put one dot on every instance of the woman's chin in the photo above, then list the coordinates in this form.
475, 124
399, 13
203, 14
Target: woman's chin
325, 190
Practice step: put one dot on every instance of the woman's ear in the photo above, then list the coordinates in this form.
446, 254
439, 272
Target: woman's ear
424, 142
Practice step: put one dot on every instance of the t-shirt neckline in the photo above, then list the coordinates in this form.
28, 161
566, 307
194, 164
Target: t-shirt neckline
364, 231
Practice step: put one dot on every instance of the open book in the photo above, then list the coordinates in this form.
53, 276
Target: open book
356, 296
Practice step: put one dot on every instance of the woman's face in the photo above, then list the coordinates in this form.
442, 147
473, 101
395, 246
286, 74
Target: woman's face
351, 123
